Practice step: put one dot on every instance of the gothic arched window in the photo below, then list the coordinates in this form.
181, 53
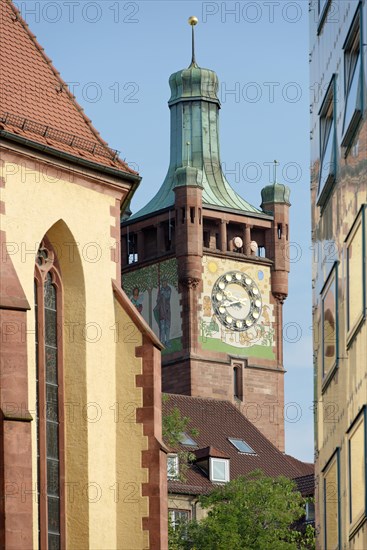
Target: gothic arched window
49, 380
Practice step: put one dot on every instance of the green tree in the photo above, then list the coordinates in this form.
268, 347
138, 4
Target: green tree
249, 513
173, 426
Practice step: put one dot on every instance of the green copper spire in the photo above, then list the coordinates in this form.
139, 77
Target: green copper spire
275, 193
194, 152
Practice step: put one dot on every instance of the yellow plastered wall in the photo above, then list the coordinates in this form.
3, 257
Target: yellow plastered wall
77, 220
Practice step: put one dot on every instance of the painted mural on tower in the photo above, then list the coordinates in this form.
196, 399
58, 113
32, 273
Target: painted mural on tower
154, 292
259, 339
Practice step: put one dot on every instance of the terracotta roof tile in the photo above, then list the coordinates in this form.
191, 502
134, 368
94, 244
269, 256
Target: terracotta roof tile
306, 485
216, 421
32, 91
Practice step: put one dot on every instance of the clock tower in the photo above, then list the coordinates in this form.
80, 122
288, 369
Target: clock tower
209, 271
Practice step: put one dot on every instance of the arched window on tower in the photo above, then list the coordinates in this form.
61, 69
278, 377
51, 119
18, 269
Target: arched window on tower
49, 392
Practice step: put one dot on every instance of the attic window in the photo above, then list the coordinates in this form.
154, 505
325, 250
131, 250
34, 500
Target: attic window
186, 440
219, 470
172, 466
241, 446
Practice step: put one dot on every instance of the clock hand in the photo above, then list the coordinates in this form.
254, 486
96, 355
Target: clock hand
238, 300
229, 303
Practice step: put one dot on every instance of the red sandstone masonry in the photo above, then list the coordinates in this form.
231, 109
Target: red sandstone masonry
15, 436
150, 415
154, 458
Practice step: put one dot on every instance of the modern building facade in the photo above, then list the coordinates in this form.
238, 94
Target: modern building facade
208, 271
82, 463
339, 196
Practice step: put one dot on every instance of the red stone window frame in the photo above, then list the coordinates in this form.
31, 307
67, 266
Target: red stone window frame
47, 264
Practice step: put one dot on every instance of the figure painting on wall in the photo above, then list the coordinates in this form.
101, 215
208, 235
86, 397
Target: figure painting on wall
162, 312
137, 299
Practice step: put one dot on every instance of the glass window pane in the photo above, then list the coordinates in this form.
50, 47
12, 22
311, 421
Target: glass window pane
241, 445
219, 470
52, 477
353, 100
357, 472
52, 440
53, 515
329, 327
51, 364
328, 159
172, 466
53, 542
331, 506
50, 328
50, 293
51, 403
355, 278
187, 440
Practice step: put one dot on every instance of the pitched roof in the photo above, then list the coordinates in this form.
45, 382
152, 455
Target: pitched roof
306, 484
35, 102
216, 421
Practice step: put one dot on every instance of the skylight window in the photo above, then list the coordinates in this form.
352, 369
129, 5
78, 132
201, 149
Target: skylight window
241, 446
187, 440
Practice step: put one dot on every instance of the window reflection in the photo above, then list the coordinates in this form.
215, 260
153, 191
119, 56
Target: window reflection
352, 82
329, 327
327, 145
331, 503
355, 277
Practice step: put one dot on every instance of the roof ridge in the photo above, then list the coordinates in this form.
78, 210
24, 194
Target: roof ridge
64, 87
296, 463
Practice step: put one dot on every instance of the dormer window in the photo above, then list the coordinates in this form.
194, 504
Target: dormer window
241, 446
213, 463
219, 470
172, 466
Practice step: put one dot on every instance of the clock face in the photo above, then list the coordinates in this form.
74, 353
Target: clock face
236, 301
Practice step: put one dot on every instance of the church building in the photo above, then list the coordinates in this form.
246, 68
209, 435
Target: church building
82, 464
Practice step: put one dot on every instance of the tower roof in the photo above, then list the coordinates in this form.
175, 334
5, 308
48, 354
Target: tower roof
275, 193
195, 149
35, 102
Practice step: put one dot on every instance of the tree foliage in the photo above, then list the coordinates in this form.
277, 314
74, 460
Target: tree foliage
248, 513
173, 426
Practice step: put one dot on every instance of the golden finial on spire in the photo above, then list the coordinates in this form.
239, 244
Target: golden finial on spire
193, 21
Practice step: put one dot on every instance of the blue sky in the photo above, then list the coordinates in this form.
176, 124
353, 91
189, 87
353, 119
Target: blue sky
117, 57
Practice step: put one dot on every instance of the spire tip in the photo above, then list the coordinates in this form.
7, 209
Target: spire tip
193, 21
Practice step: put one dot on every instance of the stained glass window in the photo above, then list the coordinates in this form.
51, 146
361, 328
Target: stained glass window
47, 299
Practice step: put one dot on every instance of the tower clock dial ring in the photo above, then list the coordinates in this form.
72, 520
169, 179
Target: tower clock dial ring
236, 301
